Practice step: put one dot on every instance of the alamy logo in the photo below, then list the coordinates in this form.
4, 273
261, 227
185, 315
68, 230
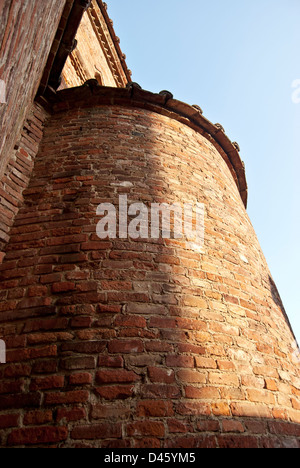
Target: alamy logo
2, 92
137, 221
2, 352
296, 93
296, 353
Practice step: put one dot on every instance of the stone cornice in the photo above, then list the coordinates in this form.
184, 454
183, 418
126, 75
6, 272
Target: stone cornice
91, 94
64, 44
109, 42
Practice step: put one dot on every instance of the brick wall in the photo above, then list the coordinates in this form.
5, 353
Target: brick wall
27, 30
18, 171
122, 343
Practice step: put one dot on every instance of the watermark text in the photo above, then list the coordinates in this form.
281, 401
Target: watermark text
2, 92
296, 93
138, 221
2, 352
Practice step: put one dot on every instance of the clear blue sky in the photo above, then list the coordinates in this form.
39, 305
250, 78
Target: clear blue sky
237, 60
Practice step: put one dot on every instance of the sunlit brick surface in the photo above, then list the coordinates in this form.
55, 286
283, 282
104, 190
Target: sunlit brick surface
148, 343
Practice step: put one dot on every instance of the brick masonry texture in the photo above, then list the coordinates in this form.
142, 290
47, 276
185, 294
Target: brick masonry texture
18, 171
122, 343
27, 31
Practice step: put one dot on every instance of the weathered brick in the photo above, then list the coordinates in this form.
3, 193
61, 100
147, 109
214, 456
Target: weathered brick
116, 376
89, 347
146, 428
204, 393
180, 361
70, 415
244, 442
63, 287
46, 383
79, 396
115, 411
34, 418
80, 379
95, 432
126, 347
161, 375
115, 392
37, 436
78, 363
144, 336
154, 408
9, 420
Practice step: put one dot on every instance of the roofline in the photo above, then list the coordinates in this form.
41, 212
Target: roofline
115, 38
91, 94
64, 42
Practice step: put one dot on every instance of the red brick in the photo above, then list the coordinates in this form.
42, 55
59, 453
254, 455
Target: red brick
176, 426
34, 302
79, 363
116, 410
220, 409
161, 391
266, 371
66, 398
169, 259
46, 367
158, 322
73, 239
115, 392
9, 420
116, 376
52, 278
261, 396
11, 387
205, 363
204, 393
85, 286
37, 291
94, 245
284, 428
232, 380
89, 347
31, 353
250, 410
116, 285
154, 408
193, 408
70, 415
37, 436
81, 322
161, 375
208, 426
180, 361
111, 361
104, 431
130, 321
146, 428
193, 442
80, 379
233, 426
63, 287
46, 383
191, 376
45, 325
34, 418
126, 347
147, 309
244, 442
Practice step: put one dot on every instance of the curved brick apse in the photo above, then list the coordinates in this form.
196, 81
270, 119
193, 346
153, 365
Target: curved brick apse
146, 342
